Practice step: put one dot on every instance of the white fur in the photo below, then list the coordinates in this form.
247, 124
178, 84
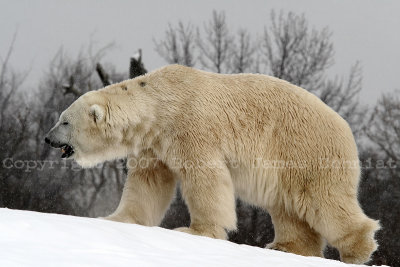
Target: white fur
183, 118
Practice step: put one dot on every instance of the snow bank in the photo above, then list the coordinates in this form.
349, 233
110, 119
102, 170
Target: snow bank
38, 239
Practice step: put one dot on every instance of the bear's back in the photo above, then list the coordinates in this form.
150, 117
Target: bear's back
264, 108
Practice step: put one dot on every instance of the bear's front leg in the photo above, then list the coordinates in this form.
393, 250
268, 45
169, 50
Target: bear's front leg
147, 193
209, 194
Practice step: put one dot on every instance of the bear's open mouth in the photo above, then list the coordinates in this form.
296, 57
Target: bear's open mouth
67, 151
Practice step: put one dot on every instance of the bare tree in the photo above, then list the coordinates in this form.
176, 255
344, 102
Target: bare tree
19, 187
383, 127
380, 188
10, 83
178, 47
13, 116
342, 94
216, 44
216, 48
242, 53
295, 52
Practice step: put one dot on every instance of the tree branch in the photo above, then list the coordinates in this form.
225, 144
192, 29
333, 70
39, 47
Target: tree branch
103, 75
70, 89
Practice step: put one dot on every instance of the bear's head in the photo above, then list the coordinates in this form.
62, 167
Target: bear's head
100, 125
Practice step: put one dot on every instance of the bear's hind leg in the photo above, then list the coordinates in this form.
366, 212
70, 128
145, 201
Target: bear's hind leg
294, 235
347, 228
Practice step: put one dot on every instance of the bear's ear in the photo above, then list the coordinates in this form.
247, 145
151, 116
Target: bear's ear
96, 112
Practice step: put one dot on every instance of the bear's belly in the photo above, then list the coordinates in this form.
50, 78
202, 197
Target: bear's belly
255, 185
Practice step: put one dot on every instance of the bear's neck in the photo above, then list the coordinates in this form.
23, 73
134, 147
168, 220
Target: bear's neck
157, 122
143, 136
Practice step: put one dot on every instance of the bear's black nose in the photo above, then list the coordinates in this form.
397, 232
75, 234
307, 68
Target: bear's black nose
47, 140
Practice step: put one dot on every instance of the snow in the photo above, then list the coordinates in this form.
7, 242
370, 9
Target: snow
37, 239
136, 55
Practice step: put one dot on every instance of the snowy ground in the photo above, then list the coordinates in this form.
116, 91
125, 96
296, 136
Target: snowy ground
38, 239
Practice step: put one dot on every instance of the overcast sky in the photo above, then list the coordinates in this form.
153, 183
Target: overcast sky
364, 30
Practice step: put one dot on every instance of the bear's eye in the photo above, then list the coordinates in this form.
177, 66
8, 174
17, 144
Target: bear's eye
142, 84
124, 87
65, 123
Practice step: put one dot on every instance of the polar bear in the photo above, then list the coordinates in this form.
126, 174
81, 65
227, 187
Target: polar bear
251, 136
